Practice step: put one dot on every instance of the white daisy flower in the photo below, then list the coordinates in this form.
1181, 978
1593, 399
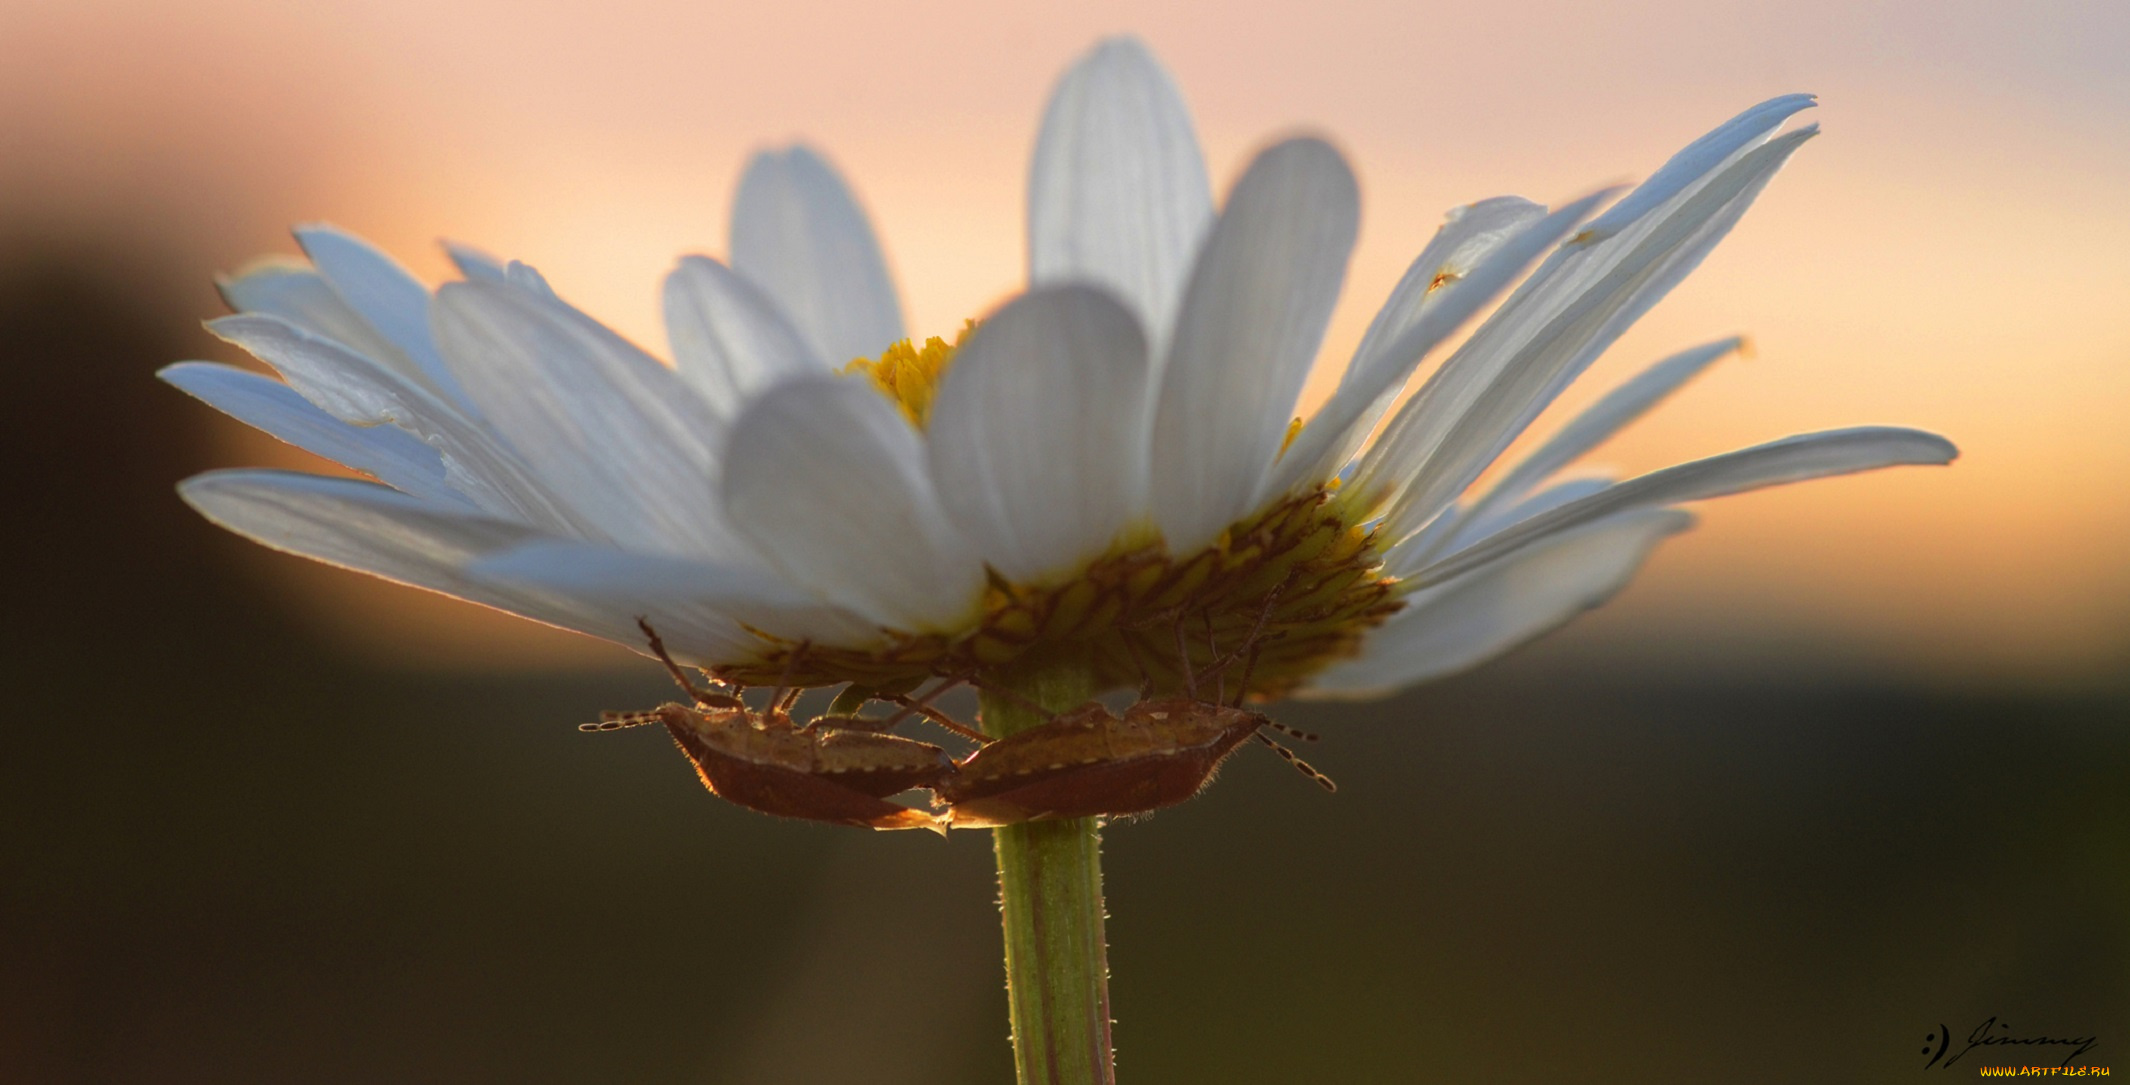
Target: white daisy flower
1105, 473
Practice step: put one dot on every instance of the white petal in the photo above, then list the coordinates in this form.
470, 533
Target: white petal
1117, 193
387, 453
828, 481
1463, 623
1253, 316
474, 263
1467, 237
1545, 336
299, 295
375, 530
1383, 364
1791, 459
1471, 526
666, 589
388, 298
799, 234
1608, 416
361, 391
611, 429
1696, 161
1038, 436
728, 338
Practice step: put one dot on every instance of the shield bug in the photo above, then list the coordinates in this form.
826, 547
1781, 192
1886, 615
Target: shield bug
1089, 761
760, 760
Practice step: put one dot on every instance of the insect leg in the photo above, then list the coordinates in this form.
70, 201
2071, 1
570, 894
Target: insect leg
1011, 695
703, 697
1183, 660
923, 706
1220, 672
776, 700
935, 715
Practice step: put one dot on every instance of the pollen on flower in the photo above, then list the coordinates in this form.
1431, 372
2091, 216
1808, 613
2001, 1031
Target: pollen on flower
1443, 278
909, 374
1294, 429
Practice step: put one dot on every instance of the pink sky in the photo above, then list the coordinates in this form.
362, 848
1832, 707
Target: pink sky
1949, 255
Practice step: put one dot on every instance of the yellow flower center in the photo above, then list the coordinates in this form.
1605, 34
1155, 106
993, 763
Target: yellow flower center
1277, 597
1281, 594
909, 375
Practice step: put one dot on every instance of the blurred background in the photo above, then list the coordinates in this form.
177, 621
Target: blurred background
1847, 765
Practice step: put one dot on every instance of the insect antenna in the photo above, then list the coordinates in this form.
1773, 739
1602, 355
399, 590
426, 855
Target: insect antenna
619, 721
1292, 732
1301, 766
777, 700
706, 698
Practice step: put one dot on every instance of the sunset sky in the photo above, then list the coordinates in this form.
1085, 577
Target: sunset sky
1951, 254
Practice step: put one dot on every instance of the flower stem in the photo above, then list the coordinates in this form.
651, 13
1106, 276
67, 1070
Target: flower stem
1050, 896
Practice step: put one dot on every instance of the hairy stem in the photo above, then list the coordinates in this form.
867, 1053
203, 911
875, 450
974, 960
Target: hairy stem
1050, 896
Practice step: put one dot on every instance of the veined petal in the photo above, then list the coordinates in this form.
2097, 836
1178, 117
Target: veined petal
1696, 161
1038, 438
387, 297
729, 340
620, 436
299, 295
379, 531
1468, 235
387, 453
666, 590
1386, 361
1471, 526
1791, 459
1117, 192
361, 391
1465, 622
800, 235
1608, 416
1546, 335
828, 481
1253, 316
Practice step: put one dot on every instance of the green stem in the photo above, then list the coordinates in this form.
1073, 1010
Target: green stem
1050, 896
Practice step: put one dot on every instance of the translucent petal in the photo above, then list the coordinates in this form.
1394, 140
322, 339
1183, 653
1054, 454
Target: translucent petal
1791, 459
621, 437
1476, 617
1117, 192
800, 235
729, 340
380, 531
828, 481
387, 453
1253, 316
1038, 437
361, 391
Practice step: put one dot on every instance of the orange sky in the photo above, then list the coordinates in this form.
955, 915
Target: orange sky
1949, 255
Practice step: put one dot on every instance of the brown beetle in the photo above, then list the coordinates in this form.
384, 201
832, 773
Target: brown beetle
759, 760
836, 769
1089, 762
